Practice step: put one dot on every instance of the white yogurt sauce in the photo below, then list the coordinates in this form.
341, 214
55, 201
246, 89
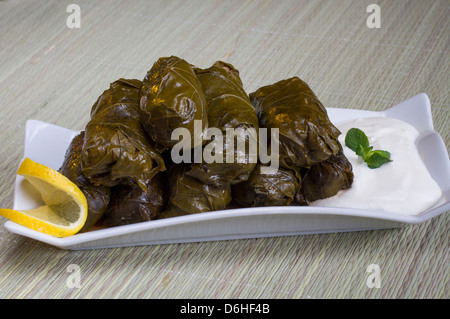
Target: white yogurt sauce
402, 186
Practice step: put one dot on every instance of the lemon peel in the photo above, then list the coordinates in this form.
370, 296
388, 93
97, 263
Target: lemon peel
65, 207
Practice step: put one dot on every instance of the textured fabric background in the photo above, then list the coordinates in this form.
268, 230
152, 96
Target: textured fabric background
52, 73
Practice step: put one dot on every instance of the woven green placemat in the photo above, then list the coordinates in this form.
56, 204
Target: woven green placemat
52, 73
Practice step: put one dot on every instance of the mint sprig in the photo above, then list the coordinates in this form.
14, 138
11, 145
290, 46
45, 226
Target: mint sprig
357, 141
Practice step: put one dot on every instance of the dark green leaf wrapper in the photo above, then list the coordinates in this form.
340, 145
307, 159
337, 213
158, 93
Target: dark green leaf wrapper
97, 197
116, 149
188, 195
131, 204
172, 97
228, 107
325, 179
266, 189
307, 136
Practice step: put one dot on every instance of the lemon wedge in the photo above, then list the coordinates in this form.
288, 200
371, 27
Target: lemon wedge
65, 207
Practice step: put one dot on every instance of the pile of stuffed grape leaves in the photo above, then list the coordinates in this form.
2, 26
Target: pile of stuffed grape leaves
310, 155
133, 164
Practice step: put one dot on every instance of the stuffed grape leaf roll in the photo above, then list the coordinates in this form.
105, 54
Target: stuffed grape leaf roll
131, 204
261, 189
306, 134
116, 149
172, 97
188, 195
97, 197
231, 113
325, 179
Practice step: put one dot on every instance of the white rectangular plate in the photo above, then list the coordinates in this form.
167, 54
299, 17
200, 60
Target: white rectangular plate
46, 143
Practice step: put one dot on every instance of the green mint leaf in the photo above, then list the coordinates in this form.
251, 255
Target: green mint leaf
357, 141
360, 151
377, 158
